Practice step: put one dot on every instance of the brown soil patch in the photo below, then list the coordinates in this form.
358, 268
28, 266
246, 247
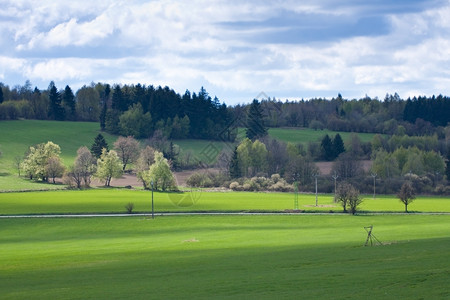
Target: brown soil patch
325, 167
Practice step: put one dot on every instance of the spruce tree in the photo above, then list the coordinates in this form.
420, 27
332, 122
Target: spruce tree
56, 111
326, 147
255, 123
68, 101
234, 168
98, 145
338, 146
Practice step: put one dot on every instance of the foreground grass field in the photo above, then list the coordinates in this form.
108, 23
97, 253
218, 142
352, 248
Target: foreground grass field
114, 201
225, 257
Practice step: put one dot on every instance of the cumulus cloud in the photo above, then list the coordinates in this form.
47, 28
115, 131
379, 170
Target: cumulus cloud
286, 48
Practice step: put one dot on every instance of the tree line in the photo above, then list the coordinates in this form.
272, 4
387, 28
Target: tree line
136, 110
416, 116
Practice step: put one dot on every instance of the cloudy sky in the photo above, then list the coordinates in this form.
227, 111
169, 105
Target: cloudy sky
235, 49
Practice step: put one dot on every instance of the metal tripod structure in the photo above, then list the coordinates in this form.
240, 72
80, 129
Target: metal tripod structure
371, 237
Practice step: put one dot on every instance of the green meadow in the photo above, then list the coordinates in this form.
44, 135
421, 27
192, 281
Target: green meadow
305, 135
114, 201
225, 257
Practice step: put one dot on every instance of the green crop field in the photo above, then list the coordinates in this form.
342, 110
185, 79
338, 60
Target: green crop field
114, 201
225, 257
305, 135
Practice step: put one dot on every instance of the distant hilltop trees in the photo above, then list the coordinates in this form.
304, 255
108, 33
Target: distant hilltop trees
140, 110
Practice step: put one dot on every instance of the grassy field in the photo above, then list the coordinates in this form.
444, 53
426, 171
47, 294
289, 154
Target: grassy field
17, 136
305, 135
114, 201
225, 257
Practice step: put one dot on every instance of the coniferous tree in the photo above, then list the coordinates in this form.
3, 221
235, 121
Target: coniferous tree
255, 123
338, 146
68, 102
56, 111
98, 145
327, 148
234, 168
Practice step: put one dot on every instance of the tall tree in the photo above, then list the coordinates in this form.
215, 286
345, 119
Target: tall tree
108, 166
234, 168
54, 168
98, 145
160, 174
128, 150
338, 145
145, 160
68, 102
56, 110
406, 194
255, 122
37, 159
83, 168
326, 147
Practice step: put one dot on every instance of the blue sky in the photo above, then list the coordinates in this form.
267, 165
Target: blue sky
235, 49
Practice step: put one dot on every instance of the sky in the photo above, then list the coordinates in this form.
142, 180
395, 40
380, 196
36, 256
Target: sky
238, 50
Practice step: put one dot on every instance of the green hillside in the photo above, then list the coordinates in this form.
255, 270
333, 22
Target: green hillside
17, 136
305, 135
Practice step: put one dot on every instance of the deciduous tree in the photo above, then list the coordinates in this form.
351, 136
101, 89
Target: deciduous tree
145, 160
108, 166
160, 174
406, 194
37, 159
54, 168
128, 150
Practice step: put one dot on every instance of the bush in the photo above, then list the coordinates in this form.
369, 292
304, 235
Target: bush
129, 207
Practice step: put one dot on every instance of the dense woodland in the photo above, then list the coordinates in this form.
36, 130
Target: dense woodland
413, 135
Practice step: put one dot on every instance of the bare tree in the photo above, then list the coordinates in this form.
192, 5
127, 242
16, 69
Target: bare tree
54, 168
128, 150
145, 160
406, 194
84, 167
348, 195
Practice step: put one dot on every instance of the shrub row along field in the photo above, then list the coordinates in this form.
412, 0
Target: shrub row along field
114, 201
225, 257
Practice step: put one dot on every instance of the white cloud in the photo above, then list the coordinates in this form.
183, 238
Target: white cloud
189, 44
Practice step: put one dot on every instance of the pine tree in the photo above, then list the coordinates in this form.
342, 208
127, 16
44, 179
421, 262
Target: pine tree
255, 122
68, 101
56, 111
338, 146
98, 145
327, 148
234, 168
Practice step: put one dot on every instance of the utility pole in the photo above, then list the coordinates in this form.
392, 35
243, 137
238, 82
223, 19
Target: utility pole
374, 175
315, 177
335, 177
